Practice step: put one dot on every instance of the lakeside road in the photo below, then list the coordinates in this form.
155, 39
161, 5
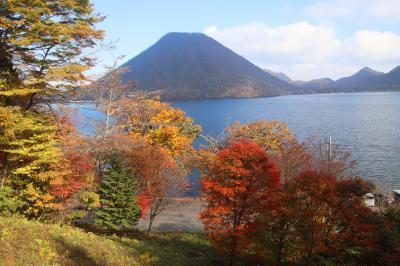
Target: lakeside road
181, 215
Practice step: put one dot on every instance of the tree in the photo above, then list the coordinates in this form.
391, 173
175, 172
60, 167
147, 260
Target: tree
310, 198
112, 93
390, 234
80, 173
160, 124
319, 216
274, 136
29, 154
270, 135
160, 178
42, 47
330, 158
240, 184
292, 159
118, 190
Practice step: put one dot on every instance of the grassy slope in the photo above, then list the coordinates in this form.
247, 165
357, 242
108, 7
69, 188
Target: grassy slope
31, 243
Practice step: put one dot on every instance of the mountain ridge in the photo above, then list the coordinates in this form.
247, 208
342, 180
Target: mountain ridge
193, 66
366, 79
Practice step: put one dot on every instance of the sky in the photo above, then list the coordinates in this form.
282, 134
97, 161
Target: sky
303, 38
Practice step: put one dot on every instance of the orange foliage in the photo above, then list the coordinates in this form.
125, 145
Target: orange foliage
77, 167
239, 186
80, 166
160, 178
319, 215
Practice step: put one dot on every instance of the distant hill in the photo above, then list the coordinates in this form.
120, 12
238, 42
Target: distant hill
366, 79
280, 75
364, 76
195, 66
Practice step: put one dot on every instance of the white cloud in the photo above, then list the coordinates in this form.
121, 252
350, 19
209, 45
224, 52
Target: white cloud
389, 9
332, 9
306, 51
373, 45
301, 41
385, 8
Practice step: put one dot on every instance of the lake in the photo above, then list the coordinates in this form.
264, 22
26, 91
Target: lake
366, 124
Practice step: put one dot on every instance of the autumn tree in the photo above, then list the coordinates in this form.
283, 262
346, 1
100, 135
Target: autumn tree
292, 159
311, 198
270, 135
321, 218
29, 153
160, 124
42, 46
79, 174
316, 153
390, 234
160, 179
329, 157
42, 60
112, 93
240, 184
77, 161
274, 136
119, 210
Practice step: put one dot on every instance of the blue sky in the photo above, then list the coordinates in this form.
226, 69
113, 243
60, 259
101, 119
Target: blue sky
303, 38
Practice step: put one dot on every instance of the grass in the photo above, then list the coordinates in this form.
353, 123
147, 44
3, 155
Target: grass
25, 242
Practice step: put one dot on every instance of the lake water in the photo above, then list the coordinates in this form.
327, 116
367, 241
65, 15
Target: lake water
367, 124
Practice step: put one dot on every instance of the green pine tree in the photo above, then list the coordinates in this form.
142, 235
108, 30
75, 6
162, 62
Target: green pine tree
120, 210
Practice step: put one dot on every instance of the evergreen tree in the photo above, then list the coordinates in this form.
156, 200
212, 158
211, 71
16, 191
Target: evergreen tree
120, 210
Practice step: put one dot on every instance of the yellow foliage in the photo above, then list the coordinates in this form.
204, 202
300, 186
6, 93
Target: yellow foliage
45, 42
164, 125
29, 152
268, 134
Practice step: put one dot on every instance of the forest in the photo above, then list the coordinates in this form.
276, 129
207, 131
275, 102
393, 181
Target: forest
269, 199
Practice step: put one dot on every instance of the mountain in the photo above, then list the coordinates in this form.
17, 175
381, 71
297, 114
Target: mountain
195, 66
366, 79
364, 76
393, 78
279, 75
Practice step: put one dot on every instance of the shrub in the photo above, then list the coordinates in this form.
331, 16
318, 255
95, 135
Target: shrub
9, 204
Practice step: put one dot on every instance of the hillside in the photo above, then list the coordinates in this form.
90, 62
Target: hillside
366, 79
194, 66
24, 242
279, 75
362, 77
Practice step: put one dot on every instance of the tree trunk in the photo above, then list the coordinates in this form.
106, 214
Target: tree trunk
232, 253
3, 179
151, 220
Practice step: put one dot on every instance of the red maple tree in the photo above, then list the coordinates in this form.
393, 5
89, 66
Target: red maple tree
239, 185
321, 216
